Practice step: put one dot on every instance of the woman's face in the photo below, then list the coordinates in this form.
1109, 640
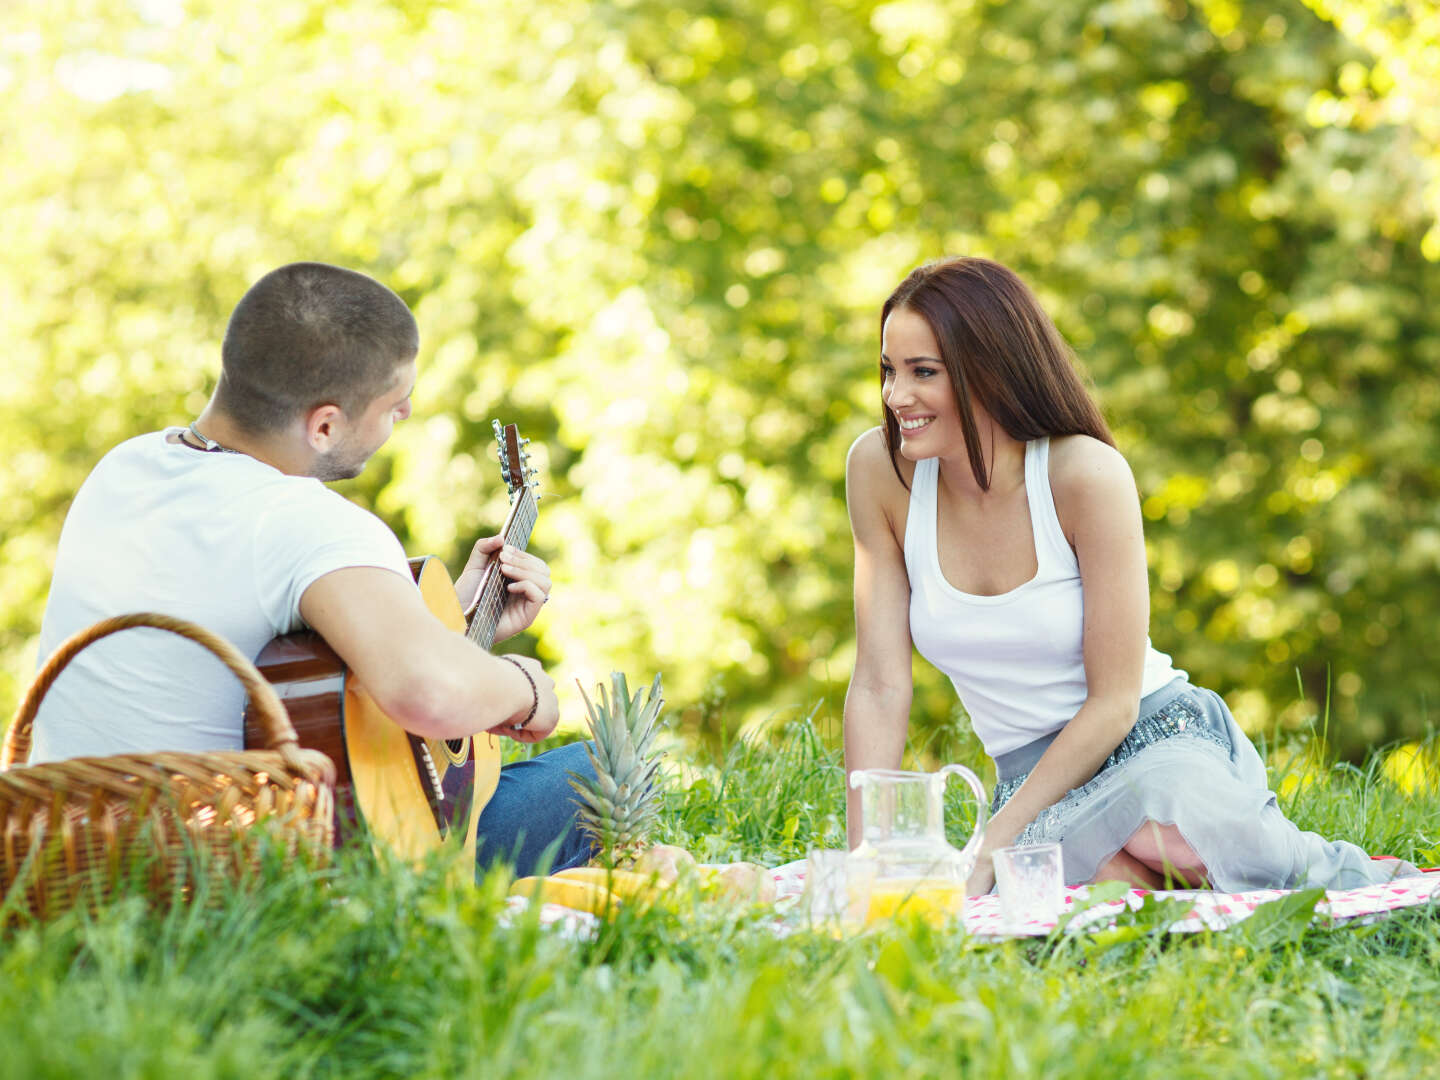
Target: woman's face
917, 390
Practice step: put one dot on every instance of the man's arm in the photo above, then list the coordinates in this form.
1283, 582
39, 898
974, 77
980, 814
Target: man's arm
427, 678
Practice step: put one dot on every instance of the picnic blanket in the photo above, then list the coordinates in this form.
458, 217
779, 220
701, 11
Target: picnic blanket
1206, 910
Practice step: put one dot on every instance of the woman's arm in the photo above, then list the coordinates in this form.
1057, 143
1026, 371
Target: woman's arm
1099, 511
877, 704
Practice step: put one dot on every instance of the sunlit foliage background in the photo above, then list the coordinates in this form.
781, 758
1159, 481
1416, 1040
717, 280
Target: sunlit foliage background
656, 235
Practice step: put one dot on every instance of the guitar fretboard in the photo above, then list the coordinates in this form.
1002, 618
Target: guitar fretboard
492, 592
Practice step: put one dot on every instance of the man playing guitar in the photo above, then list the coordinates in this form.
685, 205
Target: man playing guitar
227, 523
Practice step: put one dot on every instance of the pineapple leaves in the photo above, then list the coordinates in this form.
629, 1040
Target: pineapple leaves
619, 808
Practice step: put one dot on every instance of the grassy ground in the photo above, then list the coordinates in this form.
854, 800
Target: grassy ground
361, 971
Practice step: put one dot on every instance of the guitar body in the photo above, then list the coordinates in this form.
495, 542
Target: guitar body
411, 794
383, 778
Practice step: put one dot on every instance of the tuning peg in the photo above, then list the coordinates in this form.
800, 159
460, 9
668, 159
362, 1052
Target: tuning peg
524, 441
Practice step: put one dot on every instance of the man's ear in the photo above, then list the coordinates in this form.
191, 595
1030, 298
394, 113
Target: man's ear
324, 427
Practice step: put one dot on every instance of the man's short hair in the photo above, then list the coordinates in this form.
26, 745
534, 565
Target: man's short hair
311, 334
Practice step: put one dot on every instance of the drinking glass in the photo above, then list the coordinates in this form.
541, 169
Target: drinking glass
837, 886
1031, 882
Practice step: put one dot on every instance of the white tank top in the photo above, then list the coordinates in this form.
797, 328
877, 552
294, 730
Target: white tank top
1015, 659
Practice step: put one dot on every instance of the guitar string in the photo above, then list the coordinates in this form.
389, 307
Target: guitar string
482, 630
492, 600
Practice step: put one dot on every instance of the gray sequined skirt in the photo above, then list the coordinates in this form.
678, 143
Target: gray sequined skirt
1187, 763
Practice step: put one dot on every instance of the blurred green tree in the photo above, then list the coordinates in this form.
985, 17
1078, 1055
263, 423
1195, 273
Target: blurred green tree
657, 236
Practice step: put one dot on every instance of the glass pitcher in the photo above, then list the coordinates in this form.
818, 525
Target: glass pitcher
903, 820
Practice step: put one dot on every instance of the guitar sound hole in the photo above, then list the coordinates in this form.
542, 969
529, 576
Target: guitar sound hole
455, 751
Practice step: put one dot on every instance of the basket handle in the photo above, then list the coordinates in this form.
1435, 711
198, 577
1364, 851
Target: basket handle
274, 722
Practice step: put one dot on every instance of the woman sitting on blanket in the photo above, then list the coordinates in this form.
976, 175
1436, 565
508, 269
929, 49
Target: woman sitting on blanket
998, 529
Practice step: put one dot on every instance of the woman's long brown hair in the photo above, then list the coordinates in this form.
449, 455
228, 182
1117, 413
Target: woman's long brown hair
1001, 349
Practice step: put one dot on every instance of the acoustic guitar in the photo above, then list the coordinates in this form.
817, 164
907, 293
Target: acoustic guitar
411, 794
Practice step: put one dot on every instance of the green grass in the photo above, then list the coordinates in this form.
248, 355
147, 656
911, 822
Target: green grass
360, 971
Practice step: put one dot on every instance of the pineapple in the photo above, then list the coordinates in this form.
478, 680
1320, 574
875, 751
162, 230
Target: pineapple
619, 808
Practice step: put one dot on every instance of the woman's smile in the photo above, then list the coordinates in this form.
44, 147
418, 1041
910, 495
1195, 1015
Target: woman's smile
913, 425
917, 388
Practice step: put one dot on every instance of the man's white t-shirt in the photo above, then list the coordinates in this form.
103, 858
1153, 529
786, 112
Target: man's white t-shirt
217, 538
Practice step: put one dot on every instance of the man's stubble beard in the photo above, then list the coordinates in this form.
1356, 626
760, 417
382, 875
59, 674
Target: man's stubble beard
339, 464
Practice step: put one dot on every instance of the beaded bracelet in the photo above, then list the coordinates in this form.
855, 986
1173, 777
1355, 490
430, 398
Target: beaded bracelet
534, 693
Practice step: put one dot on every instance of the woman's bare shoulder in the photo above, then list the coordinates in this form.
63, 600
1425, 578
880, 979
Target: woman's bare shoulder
869, 460
874, 495
1088, 476
1080, 460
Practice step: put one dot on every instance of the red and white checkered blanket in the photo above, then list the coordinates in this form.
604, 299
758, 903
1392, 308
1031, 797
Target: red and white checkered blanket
1208, 910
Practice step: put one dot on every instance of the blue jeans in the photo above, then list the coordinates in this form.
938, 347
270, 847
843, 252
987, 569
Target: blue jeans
530, 821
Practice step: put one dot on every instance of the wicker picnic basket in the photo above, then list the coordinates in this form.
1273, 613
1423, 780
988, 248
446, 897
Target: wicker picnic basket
76, 830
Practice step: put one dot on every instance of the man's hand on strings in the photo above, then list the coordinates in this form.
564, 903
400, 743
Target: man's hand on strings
527, 583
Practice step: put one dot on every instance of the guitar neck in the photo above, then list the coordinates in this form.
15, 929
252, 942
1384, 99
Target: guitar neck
490, 601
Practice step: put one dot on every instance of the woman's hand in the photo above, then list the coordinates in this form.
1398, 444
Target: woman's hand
528, 583
982, 880
1000, 832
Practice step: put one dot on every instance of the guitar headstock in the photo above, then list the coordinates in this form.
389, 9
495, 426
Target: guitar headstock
515, 464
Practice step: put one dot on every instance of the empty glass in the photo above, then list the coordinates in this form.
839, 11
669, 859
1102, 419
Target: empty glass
837, 886
1031, 883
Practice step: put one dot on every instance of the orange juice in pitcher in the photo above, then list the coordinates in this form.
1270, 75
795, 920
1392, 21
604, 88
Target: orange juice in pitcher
934, 900
917, 871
